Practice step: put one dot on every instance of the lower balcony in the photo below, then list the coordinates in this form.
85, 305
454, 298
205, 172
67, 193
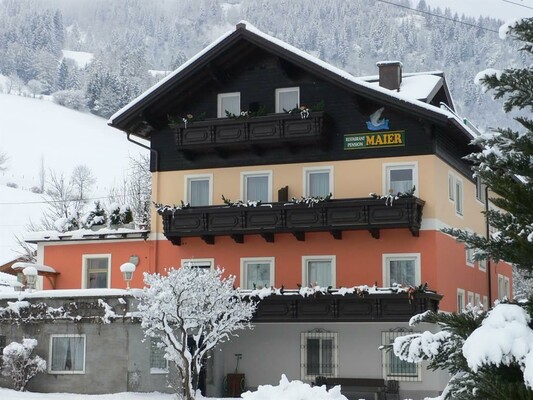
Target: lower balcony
267, 220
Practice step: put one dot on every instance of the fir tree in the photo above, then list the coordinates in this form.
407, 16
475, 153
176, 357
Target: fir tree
505, 166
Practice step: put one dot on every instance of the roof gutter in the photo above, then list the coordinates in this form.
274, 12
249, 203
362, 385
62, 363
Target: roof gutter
153, 151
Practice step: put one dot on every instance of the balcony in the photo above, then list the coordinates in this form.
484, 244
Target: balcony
272, 130
333, 216
382, 307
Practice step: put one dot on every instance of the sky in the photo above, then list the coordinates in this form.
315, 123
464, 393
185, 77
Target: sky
501, 9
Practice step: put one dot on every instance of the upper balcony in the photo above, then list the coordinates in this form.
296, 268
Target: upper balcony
334, 216
273, 130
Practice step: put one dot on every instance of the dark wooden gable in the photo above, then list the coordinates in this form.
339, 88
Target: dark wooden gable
248, 63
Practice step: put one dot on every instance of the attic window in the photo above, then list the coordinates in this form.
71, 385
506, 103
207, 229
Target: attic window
230, 102
287, 99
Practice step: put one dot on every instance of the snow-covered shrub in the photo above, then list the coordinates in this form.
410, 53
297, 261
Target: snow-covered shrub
120, 214
74, 99
95, 216
18, 364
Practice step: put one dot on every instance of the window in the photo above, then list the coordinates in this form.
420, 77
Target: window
67, 354
96, 271
257, 273
318, 270
482, 265
485, 303
318, 181
471, 299
477, 300
202, 263
458, 196
158, 362
460, 300
287, 99
400, 177
480, 190
503, 287
393, 367
199, 189
318, 354
230, 102
451, 187
256, 186
469, 257
403, 269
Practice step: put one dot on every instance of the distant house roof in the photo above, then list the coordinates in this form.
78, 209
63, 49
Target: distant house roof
415, 95
86, 234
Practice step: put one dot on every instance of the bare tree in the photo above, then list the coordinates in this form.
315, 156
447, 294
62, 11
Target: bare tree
35, 86
58, 195
82, 181
42, 176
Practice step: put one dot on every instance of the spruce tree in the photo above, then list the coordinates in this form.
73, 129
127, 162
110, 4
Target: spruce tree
505, 165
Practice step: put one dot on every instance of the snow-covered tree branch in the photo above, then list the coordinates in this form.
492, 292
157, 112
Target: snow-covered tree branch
19, 365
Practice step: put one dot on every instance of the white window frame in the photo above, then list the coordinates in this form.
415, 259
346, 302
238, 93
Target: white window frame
459, 197
153, 370
470, 298
477, 299
286, 90
198, 262
307, 171
480, 190
303, 346
248, 174
387, 374
197, 177
461, 307
86, 257
504, 287
333, 261
388, 167
482, 265
469, 257
386, 258
485, 303
252, 260
222, 113
50, 354
451, 187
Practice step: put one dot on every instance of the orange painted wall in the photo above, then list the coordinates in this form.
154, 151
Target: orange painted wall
67, 260
359, 259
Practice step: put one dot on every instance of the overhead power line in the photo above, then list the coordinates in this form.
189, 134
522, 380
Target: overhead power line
439, 16
517, 4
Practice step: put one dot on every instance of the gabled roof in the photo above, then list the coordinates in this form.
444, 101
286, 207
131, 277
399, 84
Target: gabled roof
133, 118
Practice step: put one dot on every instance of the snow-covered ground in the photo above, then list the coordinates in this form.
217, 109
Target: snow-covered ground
81, 58
295, 390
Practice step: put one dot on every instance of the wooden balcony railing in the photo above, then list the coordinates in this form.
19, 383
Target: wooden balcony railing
334, 216
269, 130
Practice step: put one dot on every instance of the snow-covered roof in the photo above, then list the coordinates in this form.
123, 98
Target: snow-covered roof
86, 234
409, 97
70, 293
39, 267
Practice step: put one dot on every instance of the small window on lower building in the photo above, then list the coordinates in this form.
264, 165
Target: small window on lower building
480, 190
319, 271
393, 367
482, 265
319, 354
485, 303
96, 271
67, 354
257, 273
477, 300
202, 263
401, 269
504, 290
471, 299
458, 196
158, 362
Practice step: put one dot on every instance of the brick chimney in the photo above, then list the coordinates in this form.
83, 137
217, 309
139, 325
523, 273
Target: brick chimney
390, 74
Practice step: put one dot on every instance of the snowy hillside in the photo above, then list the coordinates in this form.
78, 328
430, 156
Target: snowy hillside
31, 130
17, 209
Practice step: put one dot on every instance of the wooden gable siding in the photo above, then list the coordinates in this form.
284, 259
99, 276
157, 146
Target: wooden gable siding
257, 80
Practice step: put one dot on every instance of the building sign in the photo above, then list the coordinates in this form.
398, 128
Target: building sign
369, 140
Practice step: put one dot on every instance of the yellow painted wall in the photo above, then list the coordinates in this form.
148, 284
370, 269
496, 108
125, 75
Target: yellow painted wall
352, 178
